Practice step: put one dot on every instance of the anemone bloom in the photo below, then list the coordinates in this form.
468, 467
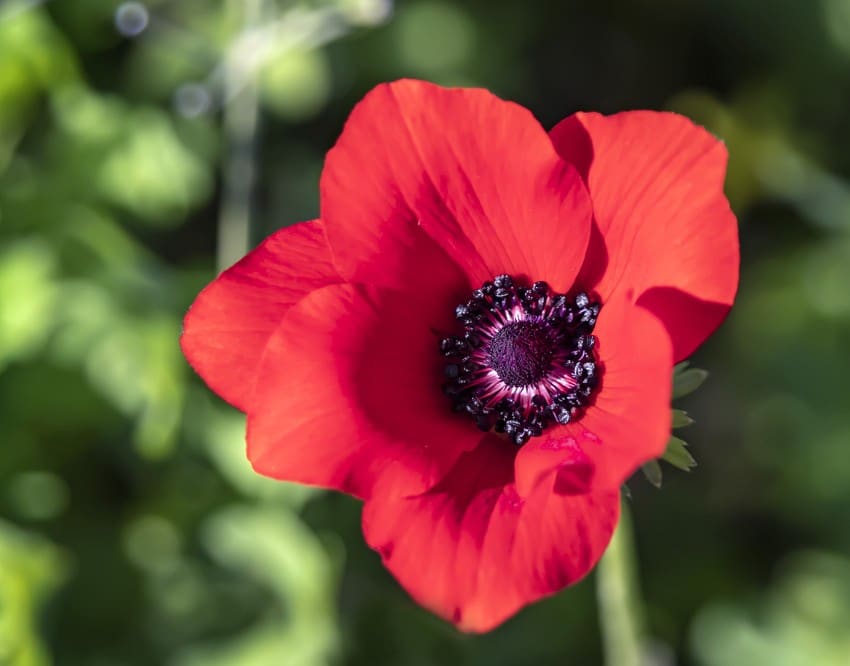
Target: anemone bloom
477, 336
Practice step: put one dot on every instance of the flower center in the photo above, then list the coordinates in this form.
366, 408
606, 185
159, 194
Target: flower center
521, 352
524, 360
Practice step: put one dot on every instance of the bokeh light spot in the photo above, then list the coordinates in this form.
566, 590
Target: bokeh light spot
192, 100
131, 18
297, 84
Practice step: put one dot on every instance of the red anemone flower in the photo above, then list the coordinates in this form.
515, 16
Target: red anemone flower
477, 336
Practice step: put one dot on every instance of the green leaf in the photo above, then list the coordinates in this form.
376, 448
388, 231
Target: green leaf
677, 454
652, 471
681, 419
31, 570
277, 549
680, 367
688, 381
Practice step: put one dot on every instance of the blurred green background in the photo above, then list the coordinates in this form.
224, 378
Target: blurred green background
143, 145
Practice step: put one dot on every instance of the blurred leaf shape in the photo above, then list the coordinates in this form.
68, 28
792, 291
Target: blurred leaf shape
150, 172
31, 569
28, 293
273, 546
34, 57
86, 116
138, 160
38, 495
802, 620
132, 359
223, 437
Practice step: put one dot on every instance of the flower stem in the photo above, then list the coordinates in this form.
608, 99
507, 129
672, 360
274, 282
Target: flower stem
620, 612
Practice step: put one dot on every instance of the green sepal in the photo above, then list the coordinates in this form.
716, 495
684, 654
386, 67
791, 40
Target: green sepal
680, 367
677, 454
652, 471
687, 381
681, 419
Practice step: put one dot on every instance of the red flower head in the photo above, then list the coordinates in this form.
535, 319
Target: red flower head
477, 337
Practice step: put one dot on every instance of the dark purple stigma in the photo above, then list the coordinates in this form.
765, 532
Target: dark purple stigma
524, 360
521, 352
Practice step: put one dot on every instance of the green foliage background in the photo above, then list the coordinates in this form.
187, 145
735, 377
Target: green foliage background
133, 531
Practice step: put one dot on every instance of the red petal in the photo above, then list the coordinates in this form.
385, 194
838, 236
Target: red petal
670, 238
227, 327
558, 451
629, 420
478, 174
473, 551
348, 390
